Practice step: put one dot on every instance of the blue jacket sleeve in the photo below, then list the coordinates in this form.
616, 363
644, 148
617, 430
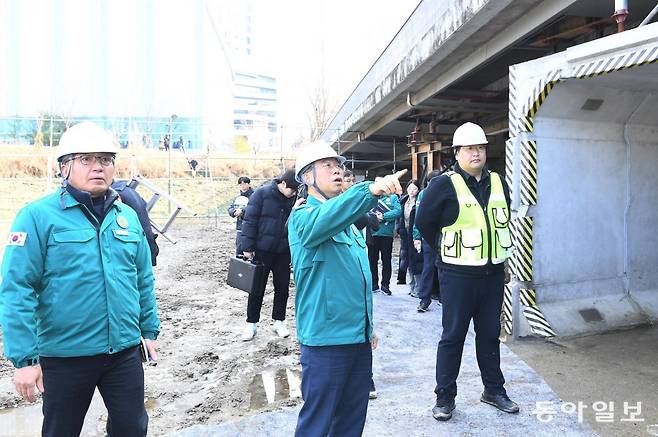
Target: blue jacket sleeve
22, 269
251, 218
315, 224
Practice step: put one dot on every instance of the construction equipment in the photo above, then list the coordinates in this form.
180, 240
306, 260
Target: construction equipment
157, 194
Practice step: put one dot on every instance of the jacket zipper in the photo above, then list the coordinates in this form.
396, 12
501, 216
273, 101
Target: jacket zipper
365, 302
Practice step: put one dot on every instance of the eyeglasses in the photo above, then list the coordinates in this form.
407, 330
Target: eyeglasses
473, 149
104, 160
332, 165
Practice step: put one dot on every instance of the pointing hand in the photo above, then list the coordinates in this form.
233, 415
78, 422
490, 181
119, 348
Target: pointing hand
389, 184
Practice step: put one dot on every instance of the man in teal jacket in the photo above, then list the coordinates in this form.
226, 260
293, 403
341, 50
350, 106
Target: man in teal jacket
388, 209
333, 293
77, 294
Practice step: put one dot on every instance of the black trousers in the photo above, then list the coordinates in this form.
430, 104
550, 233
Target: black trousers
429, 282
69, 385
465, 298
238, 237
403, 264
279, 265
383, 245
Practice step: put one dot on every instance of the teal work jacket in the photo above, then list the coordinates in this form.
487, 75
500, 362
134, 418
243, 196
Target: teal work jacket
387, 227
333, 301
416, 233
72, 288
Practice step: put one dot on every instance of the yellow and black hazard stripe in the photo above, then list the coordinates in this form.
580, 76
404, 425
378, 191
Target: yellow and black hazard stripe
509, 164
521, 261
644, 56
537, 97
528, 297
616, 63
514, 125
507, 309
528, 179
536, 319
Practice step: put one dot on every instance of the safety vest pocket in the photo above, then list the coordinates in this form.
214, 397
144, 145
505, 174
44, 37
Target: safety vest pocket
471, 238
449, 244
504, 238
501, 217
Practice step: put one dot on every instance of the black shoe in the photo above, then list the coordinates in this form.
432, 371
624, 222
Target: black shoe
443, 409
373, 391
401, 282
423, 308
500, 401
386, 290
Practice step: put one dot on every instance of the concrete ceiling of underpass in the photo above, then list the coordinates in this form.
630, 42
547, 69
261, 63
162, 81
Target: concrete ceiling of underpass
481, 94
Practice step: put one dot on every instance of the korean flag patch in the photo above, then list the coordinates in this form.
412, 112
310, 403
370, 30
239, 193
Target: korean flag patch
17, 239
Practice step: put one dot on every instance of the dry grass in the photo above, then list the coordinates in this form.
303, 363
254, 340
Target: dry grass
21, 161
24, 178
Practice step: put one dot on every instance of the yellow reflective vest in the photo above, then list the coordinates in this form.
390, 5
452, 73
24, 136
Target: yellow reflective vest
471, 240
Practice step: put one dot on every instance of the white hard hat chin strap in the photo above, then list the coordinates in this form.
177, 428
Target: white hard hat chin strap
69, 166
315, 184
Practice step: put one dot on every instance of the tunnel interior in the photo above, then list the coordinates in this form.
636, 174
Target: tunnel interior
594, 240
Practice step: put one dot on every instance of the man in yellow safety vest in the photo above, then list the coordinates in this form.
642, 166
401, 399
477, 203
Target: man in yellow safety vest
465, 213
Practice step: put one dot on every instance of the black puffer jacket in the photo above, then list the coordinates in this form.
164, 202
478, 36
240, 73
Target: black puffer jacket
264, 226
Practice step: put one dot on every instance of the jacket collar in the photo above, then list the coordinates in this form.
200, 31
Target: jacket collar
67, 200
312, 200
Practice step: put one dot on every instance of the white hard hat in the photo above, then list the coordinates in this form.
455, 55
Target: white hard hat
85, 137
313, 152
241, 201
469, 134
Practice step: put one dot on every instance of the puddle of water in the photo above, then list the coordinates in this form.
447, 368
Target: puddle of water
151, 404
21, 422
274, 384
26, 421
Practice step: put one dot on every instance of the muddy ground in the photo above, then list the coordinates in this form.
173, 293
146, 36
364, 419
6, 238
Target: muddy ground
204, 373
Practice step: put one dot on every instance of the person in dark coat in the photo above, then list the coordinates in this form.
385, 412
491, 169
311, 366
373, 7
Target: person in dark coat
237, 207
130, 197
265, 239
410, 259
429, 278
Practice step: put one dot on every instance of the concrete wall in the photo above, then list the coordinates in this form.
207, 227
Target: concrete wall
595, 245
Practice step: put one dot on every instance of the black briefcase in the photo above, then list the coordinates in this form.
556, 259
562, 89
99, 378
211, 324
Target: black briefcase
246, 275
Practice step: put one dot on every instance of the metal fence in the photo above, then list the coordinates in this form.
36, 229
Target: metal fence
29, 173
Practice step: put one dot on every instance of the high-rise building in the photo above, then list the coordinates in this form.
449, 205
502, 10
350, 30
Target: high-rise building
255, 118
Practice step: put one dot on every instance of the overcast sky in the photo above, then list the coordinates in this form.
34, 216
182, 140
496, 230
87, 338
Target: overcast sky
337, 39
158, 57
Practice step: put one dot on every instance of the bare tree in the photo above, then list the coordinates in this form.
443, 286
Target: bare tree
321, 111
